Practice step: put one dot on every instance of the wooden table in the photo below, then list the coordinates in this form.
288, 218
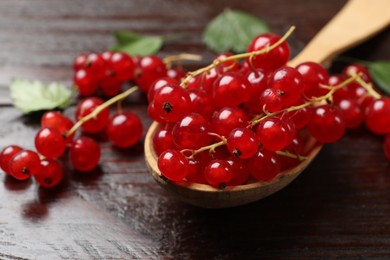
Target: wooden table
339, 207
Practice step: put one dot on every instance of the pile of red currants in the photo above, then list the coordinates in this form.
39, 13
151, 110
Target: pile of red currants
235, 122
243, 118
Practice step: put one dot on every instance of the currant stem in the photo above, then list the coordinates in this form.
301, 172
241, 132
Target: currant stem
210, 147
182, 56
309, 103
217, 62
98, 109
292, 155
371, 91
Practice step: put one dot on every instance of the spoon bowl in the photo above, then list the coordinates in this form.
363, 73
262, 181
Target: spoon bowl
206, 196
356, 22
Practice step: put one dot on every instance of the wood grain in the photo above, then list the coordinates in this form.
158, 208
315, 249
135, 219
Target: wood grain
338, 208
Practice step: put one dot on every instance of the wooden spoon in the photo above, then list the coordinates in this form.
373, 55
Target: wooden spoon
357, 21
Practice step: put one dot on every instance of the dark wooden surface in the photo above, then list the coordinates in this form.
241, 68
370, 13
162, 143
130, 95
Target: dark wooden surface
338, 208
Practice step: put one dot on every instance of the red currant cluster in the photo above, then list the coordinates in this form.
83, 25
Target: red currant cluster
109, 70
123, 129
234, 122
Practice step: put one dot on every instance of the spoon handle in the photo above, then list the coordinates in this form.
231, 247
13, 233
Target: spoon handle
357, 21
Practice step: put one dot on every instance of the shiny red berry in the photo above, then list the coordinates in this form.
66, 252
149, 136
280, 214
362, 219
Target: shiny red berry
192, 132
50, 174
49, 142
24, 164
242, 143
264, 166
327, 124
272, 60
124, 129
87, 106
173, 165
378, 116
218, 173
84, 154
6, 154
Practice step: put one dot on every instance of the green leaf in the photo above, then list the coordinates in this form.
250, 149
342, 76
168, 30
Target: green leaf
380, 71
31, 96
136, 44
232, 30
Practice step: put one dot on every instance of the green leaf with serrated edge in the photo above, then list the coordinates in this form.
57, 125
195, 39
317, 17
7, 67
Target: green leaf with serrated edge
380, 72
136, 44
232, 31
31, 96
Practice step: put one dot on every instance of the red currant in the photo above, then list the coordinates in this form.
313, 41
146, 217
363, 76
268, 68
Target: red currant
206, 80
192, 132
196, 174
228, 66
55, 119
124, 129
6, 154
226, 119
352, 69
86, 84
84, 154
95, 65
242, 143
148, 69
159, 83
273, 134
50, 174
271, 100
258, 81
24, 164
314, 75
218, 173
171, 103
121, 63
97, 123
163, 140
173, 165
240, 173
264, 166
378, 116
302, 116
272, 60
176, 73
49, 142
230, 90
289, 82
79, 62
352, 112
327, 124
201, 102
